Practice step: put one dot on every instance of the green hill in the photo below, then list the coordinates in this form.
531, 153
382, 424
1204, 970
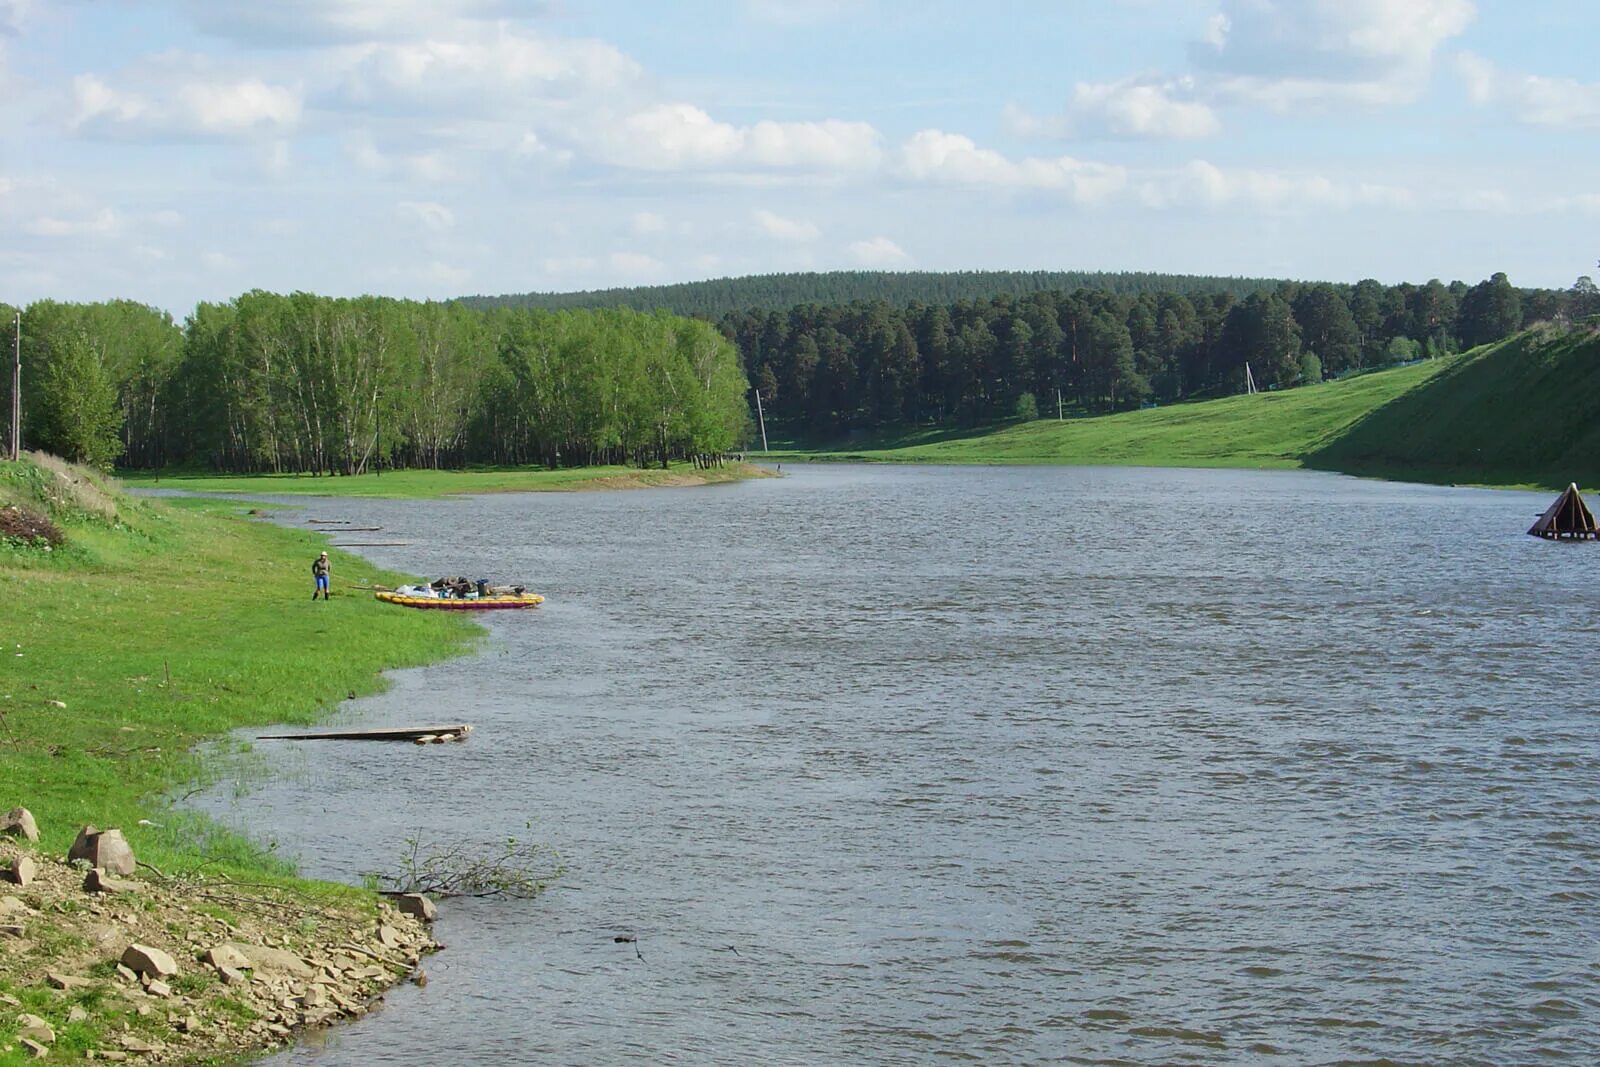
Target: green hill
1525, 411
780, 292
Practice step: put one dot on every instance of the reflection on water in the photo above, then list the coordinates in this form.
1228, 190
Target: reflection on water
899, 765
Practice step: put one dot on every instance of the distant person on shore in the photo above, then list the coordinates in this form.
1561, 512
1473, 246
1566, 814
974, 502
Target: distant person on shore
320, 569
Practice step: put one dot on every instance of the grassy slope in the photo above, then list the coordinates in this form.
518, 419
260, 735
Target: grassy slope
1264, 430
1525, 412
176, 623
430, 483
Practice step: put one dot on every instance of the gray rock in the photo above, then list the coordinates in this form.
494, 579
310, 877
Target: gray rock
149, 962
77, 1014
39, 1051
106, 849
270, 959
98, 881
417, 906
220, 956
158, 988
22, 870
18, 822
231, 976
66, 981
32, 1026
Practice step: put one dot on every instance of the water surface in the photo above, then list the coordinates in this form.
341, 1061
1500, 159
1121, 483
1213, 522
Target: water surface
908, 765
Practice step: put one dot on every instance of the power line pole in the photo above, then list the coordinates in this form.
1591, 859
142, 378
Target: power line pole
763, 418
16, 390
1059, 417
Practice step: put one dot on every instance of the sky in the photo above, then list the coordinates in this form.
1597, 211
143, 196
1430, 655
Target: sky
179, 151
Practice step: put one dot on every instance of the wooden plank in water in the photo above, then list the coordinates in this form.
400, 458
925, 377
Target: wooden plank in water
382, 733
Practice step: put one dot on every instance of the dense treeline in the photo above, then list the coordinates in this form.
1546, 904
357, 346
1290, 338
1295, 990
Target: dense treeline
826, 369
309, 383
779, 292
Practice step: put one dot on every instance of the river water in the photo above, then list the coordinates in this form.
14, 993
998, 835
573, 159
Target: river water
1020, 765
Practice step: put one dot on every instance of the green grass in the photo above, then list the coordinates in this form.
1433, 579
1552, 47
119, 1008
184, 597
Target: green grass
437, 483
168, 625
1525, 412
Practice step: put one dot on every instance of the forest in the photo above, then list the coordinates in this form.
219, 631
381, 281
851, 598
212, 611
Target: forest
779, 292
306, 383
823, 370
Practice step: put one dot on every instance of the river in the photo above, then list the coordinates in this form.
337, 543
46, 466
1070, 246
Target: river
912, 764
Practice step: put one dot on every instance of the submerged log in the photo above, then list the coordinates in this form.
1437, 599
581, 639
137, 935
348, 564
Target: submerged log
382, 733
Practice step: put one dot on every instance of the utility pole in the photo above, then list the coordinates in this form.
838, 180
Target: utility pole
1059, 417
763, 418
377, 419
16, 390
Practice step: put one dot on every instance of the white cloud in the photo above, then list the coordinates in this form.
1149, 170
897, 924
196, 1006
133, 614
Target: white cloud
1203, 184
936, 156
1131, 108
634, 264
878, 252
284, 23
785, 229
427, 214
429, 167
531, 146
681, 136
500, 70
101, 223
14, 15
444, 275
566, 265
646, 223
1282, 53
1556, 103
179, 105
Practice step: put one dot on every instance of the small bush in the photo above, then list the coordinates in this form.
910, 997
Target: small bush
1027, 408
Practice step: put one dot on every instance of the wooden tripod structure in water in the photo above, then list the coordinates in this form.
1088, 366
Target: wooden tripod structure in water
1568, 518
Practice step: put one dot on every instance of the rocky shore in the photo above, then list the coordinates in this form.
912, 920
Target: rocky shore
104, 958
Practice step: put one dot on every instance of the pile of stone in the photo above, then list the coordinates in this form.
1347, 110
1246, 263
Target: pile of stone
172, 988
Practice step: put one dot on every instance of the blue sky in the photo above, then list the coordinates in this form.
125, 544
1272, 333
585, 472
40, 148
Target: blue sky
173, 151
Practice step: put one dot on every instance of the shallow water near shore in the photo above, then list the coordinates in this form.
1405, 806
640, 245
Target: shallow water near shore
908, 764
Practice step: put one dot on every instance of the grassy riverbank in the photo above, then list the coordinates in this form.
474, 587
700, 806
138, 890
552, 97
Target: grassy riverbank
156, 626
1525, 412
438, 483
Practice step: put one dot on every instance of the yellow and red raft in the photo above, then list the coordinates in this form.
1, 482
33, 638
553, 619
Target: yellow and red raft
492, 602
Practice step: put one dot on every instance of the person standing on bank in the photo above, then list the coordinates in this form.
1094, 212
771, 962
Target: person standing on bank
320, 569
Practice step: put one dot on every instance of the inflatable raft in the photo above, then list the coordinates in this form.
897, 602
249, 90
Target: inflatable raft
500, 602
